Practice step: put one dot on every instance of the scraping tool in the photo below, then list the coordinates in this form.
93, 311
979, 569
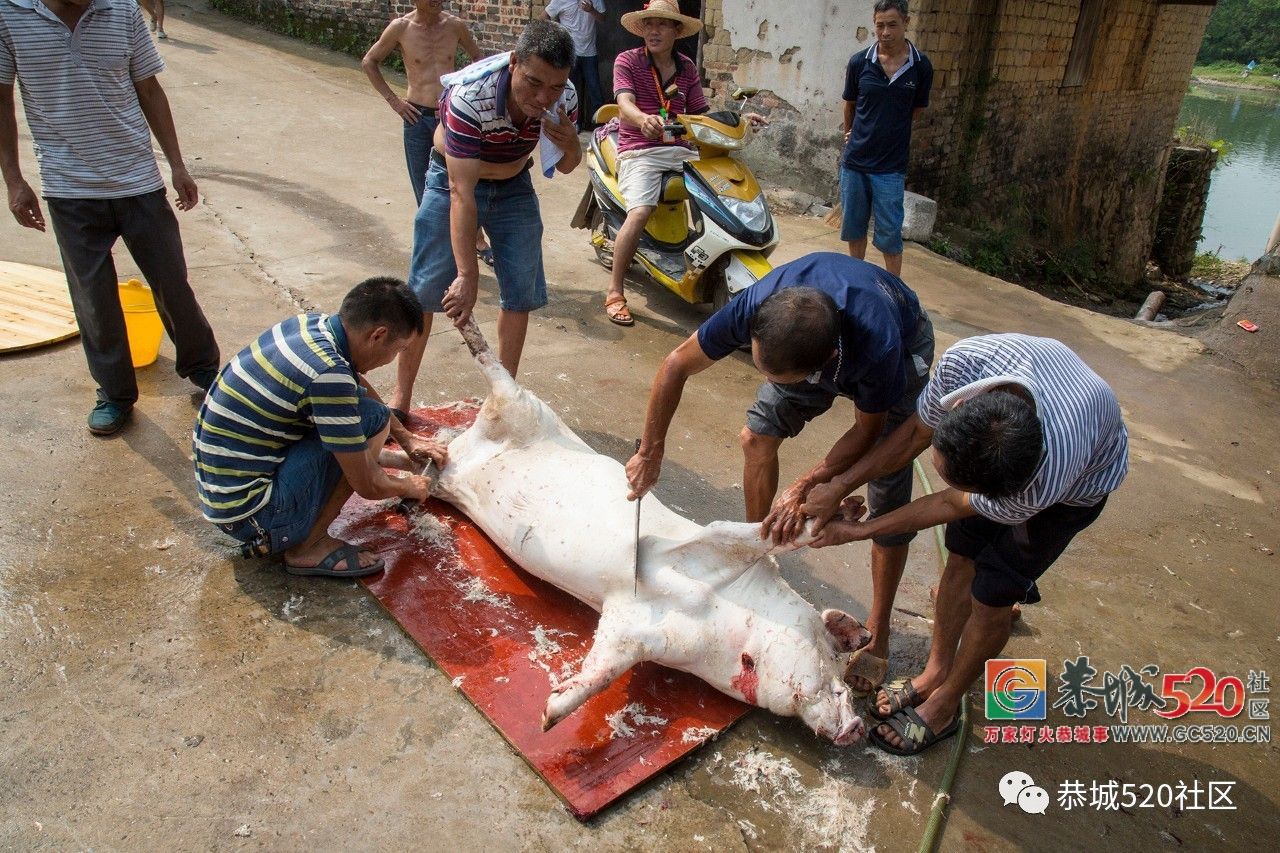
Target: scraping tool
431, 472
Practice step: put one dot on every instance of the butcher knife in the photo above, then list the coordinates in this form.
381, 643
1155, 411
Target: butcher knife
636, 562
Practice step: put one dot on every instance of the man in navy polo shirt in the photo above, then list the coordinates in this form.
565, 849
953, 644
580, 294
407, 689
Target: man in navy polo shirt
820, 327
885, 88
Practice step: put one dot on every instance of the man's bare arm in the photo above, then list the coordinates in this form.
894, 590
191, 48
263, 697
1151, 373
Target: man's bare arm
683, 362
460, 298
366, 477
941, 507
786, 517
468, 41
372, 65
847, 126
892, 454
629, 113
23, 203
155, 106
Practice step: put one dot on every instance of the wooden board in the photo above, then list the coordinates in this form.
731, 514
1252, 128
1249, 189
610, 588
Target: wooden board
502, 635
35, 307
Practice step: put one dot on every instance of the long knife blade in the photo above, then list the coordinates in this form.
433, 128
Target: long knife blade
636, 563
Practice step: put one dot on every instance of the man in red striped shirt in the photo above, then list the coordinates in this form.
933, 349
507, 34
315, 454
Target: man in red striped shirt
490, 121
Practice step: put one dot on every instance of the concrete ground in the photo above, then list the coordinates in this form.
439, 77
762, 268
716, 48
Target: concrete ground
158, 691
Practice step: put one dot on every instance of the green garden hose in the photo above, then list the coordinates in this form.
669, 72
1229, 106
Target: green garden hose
933, 829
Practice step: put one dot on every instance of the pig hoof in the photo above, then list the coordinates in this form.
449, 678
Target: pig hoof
847, 631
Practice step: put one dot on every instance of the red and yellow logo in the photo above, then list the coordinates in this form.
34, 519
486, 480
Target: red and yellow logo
1017, 689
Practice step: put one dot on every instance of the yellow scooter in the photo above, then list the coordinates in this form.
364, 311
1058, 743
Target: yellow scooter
712, 233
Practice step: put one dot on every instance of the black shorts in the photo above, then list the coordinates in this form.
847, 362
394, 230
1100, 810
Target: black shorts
1009, 558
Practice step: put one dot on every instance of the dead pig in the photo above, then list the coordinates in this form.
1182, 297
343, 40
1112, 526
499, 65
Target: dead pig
710, 599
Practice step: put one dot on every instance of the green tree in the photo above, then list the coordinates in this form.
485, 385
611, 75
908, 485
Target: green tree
1241, 30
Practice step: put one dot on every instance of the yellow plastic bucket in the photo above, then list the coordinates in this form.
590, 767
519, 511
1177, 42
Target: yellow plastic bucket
141, 321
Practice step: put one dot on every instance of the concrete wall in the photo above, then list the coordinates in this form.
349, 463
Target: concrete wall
796, 52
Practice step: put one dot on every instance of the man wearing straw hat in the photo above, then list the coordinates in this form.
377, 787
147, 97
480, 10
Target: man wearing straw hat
652, 85
88, 70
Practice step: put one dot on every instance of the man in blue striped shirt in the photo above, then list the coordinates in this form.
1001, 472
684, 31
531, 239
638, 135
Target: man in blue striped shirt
92, 99
290, 428
1030, 442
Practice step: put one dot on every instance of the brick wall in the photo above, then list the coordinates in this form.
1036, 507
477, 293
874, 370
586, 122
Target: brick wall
353, 25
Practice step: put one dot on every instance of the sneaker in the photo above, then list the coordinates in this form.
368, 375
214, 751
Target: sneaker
204, 379
160, 35
107, 417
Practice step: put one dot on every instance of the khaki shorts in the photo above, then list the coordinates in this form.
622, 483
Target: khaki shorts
640, 172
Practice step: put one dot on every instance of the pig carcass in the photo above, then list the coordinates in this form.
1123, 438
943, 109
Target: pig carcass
710, 600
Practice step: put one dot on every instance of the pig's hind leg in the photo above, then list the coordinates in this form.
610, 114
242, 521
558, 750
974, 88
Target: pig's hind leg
612, 653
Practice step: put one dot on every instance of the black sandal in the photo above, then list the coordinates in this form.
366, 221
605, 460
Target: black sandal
914, 731
901, 694
325, 568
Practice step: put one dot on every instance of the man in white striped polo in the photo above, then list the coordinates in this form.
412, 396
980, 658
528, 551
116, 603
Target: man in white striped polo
1030, 442
89, 89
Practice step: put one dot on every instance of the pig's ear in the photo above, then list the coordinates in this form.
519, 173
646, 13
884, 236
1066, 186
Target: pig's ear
845, 630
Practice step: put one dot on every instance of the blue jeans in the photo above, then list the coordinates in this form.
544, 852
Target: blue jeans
864, 193
589, 68
508, 212
418, 139
301, 485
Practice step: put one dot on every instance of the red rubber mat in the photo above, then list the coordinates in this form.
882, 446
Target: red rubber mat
503, 635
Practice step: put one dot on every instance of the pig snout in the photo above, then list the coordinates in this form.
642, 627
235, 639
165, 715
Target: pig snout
832, 716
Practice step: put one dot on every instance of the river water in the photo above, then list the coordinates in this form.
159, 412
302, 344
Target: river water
1244, 193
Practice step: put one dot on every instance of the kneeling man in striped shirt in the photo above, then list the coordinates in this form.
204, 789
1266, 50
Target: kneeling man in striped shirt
290, 428
1030, 442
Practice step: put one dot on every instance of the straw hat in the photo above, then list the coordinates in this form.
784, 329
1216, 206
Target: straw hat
668, 9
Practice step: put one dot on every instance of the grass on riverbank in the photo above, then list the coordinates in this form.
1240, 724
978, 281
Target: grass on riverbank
1233, 74
1212, 267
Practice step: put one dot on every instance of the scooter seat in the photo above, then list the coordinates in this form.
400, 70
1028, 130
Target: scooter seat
673, 189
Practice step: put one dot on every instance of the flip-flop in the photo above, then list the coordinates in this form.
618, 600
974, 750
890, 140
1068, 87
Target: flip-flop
486, 255
901, 694
914, 732
868, 666
620, 315
325, 568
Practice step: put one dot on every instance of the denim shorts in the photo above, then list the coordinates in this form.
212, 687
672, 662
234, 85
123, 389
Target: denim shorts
1009, 558
864, 193
301, 485
418, 140
508, 212
782, 411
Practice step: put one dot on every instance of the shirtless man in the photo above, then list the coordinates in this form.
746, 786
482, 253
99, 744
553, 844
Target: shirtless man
428, 38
